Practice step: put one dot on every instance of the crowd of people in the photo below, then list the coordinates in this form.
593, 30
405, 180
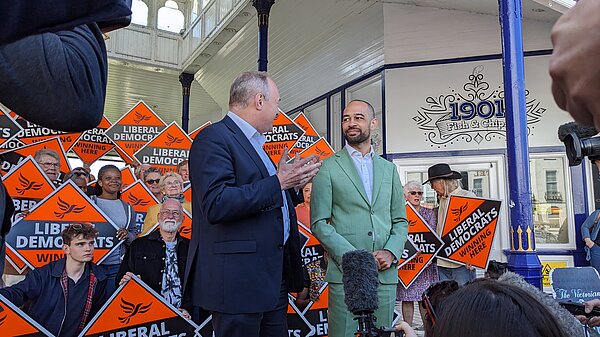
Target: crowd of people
65, 294
248, 246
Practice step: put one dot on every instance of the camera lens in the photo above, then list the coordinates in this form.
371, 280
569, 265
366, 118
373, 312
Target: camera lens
573, 149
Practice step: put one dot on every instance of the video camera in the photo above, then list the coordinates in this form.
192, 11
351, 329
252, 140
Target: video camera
579, 142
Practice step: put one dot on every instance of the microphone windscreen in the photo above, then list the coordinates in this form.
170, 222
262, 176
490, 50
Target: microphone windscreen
569, 322
360, 280
580, 130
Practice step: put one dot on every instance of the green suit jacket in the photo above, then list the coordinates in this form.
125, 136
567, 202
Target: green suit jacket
343, 219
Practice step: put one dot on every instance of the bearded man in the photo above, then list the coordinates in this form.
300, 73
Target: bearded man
159, 258
357, 202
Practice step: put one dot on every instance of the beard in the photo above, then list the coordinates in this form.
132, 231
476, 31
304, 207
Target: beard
170, 226
360, 138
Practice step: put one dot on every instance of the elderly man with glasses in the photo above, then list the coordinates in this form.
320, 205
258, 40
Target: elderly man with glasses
64, 294
49, 162
159, 258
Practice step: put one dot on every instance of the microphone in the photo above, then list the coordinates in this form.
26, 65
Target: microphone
581, 131
360, 281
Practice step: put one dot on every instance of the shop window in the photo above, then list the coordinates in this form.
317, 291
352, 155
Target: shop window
551, 209
170, 18
478, 186
317, 115
139, 12
197, 7
335, 120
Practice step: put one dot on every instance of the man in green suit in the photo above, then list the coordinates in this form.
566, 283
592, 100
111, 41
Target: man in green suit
357, 202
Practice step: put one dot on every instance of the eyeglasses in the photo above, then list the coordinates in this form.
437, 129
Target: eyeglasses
169, 212
76, 226
49, 164
152, 181
80, 174
173, 183
436, 293
415, 192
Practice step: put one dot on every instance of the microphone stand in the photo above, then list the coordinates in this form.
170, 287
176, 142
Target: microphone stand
366, 326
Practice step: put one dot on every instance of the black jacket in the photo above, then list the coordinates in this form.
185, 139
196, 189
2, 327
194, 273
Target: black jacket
42, 38
146, 257
42, 295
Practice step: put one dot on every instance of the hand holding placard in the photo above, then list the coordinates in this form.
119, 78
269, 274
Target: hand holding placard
298, 172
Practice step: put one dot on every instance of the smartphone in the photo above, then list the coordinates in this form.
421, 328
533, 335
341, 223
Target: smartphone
579, 309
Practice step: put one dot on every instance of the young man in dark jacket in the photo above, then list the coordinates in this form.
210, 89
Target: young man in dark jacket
159, 258
63, 295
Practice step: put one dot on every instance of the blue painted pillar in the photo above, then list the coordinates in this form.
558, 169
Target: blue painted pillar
263, 8
523, 258
186, 81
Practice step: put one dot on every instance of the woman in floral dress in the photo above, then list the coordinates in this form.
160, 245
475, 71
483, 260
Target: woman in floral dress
413, 192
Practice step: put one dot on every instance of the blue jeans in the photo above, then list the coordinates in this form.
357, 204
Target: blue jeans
461, 274
595, 257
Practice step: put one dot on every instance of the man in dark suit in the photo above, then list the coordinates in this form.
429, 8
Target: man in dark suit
245, 253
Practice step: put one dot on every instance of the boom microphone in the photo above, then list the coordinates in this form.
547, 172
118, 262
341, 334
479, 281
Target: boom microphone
360, 281
580, 130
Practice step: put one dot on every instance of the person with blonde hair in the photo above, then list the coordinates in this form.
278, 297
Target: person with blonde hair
171, 185
446, 182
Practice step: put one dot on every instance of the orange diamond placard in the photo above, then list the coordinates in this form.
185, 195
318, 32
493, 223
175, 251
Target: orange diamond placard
187, 193
166, 150
127, 176
15, 323
33, 133
27, 184
134, 129
137, 310
93, 144
194, 133
140, 198
13, 157
285, 133
427, 242
8, 127
320, 148
37, 238
469, 230
310, 134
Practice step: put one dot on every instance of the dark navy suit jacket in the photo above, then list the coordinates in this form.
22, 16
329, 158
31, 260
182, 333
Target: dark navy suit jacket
237, 257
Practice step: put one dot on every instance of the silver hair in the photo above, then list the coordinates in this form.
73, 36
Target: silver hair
45, 152
246, 86
413, 185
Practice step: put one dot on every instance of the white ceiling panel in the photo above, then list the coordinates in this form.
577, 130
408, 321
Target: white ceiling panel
314, 46
160, 90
